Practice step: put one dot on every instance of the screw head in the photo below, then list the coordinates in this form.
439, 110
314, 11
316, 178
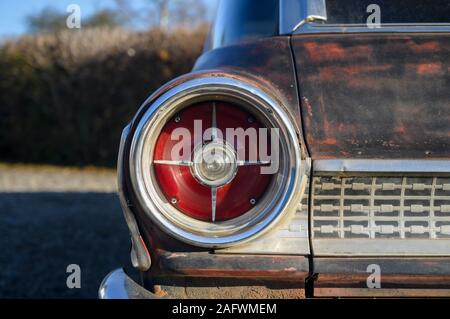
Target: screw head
252, 201
177, 119
174, 201
250, 120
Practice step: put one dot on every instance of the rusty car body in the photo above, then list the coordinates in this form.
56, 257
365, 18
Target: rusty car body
364, 113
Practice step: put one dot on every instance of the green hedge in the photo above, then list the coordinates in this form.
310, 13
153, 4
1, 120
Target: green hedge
65, 97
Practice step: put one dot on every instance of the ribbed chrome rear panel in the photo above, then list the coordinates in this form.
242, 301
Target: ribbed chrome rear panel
289, 238
370, 215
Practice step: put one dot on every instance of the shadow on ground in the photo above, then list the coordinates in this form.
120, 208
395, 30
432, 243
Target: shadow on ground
42, 233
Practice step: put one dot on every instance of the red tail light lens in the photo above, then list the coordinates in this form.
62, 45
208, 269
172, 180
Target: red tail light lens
180, 184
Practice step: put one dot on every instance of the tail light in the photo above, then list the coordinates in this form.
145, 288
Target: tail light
200, 180
214, 186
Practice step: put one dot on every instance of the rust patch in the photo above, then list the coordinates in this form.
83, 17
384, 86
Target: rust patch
400, 129
332, 73
334, 52
425, 47
329, 141
324, 52
232, 266
429, 68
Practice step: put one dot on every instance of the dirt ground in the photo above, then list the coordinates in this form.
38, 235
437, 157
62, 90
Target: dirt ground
51, 218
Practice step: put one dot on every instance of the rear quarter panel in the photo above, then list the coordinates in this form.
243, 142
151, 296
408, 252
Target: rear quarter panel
375, 95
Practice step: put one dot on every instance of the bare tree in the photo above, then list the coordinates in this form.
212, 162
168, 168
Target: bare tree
47, 20
184, 13
189, 13
126, 13
162, 12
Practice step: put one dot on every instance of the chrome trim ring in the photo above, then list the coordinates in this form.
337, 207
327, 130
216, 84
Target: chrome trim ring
285, 191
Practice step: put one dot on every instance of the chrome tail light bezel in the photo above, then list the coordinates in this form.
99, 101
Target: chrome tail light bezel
287, 189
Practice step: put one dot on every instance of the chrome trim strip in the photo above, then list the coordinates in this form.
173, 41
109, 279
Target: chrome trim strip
214, 123
252, 163
213, 203
295, 13
381, 166
313, 28
380, 247
173, 163
309, 19
316, 11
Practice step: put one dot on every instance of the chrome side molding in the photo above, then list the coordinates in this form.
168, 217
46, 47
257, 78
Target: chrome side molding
316, 28
342, 166
316, 11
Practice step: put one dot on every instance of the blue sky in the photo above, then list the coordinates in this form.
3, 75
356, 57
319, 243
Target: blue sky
14, 12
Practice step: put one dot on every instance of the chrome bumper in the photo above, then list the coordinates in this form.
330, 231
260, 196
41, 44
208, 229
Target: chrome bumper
118, 285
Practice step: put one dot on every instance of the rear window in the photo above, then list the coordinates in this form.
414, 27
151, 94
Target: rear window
391, 11
240, 20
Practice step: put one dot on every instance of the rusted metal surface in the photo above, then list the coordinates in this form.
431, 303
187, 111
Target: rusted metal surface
284, 268
390, 281
375, 95
402, 265
193, 275
406, 274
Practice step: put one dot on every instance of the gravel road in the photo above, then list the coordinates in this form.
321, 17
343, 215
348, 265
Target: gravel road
51, 218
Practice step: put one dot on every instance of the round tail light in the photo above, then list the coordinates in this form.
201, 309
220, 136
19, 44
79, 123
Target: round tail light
215, 162
211, 185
